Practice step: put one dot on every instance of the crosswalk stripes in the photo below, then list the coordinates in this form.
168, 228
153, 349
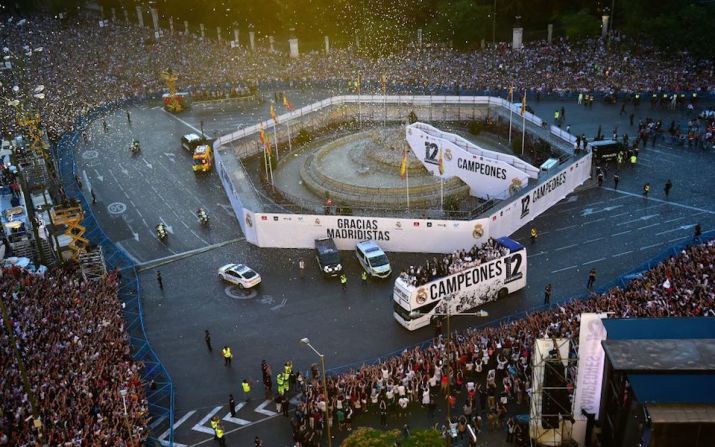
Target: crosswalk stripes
235, 420
176, 425
200, 425
262, 409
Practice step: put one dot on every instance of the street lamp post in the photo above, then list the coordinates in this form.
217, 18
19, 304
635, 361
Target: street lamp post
123, 393
448, 314
306, 341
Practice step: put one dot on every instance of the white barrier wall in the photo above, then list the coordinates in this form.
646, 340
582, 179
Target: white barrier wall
400, 235
486, 177
530, 204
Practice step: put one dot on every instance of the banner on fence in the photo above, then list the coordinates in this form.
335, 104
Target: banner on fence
546, 194
392, 234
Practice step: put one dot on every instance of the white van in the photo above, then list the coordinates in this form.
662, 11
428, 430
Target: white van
373, 259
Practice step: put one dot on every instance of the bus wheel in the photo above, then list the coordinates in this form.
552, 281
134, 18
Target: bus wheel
502, 293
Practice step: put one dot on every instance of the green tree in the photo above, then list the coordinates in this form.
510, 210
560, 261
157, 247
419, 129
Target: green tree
580, 25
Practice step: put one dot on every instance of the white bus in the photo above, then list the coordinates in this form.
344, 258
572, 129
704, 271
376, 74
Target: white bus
414, 306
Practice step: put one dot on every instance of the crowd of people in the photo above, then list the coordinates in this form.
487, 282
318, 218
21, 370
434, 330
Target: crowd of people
82, 66
453, 263
71, 337
484, 374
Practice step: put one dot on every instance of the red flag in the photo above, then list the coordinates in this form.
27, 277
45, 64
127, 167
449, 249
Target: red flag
273, 114
266, 142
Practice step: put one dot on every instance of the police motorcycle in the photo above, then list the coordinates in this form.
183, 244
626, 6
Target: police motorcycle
135, 148
161, 232
203, 216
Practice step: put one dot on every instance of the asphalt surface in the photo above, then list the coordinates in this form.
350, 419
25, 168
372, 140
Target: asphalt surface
596, 227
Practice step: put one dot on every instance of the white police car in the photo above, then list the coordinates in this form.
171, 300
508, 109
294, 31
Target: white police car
373, 259
241, 275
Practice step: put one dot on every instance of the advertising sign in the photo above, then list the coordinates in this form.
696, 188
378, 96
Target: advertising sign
487, 177
530, 204
392, 234
590, 364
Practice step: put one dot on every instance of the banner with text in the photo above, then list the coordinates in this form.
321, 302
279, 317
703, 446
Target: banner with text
590, 365
526, 207
392, 234
487, 177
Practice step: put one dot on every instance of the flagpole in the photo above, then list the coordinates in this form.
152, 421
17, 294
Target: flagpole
441, 192
407, 182
384, 102
275, 138
270, 167
290, 145
523, 126
359, 103
265, 160
511, 109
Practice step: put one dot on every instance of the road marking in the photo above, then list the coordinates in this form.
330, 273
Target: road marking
537, 254
565, 247
594, 261
99, 177
262, 409
566, 228
282, 304
649, 216
86, 180
622, 232
148, 165
593, 221
590, 211
623, 253
647, 226
116, 208
176, 425
593, 240
124, 170
677, 239
651, 246
146, 265
199, 237
183, 122
563, 269
200, 425
674, 220
620, 214
169, 228
680, 228
235, 420
653, 199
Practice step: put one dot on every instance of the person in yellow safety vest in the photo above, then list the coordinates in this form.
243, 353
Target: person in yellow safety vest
534, 234
363, 277
246, 390
343, 281
280, 383
556, 115
227, 356
288, 367
620, 158
286, 381
219, 435
634, 159
214, 425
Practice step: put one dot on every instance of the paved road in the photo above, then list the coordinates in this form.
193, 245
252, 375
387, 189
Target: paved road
603, 228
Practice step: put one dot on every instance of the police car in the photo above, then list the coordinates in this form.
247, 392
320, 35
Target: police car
328, 257
241, 275
373, 259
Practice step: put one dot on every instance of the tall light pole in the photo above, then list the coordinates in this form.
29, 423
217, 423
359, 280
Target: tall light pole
123, 393
306, 341
448, 314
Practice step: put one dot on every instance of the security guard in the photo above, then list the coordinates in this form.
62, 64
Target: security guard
534, 235
556, 116
214, 425
694, 98
619, 158
219, 435
363, 277
246, 390
343, 281
227, 356
634, 159
646, 190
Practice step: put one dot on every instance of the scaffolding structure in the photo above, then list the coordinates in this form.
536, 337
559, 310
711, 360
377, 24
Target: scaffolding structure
71, 215
553, 366
92, 265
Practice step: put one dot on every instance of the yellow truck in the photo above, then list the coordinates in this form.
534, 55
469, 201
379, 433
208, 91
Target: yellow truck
203, 158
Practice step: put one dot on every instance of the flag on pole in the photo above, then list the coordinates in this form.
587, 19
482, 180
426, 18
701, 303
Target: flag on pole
273, 114
287, 103
441, 162
511, 94
523, 104
265, 141
403, 165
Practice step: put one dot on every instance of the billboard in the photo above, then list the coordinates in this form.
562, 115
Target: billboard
392, 234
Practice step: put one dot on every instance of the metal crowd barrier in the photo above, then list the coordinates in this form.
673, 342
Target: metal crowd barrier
157, 381
621, 282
